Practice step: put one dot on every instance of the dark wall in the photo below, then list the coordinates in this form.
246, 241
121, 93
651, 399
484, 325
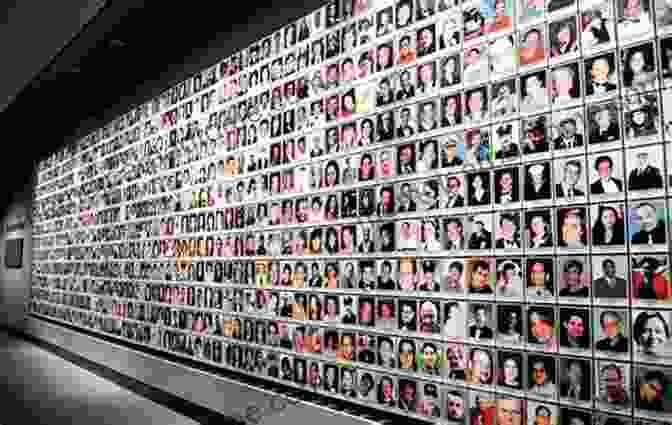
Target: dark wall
15, 283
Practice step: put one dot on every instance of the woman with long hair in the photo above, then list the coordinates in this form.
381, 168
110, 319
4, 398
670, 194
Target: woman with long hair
609, 228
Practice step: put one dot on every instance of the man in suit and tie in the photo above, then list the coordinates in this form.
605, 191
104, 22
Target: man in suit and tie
609, 285
605, 184
568, 138
479, 330
406, 202
450, 111
645, 176
537, 185
481, 238
567, 188
455, 199
406, 88
454, 234
405, 128
427, 117
385, 126
605, 128
600, 71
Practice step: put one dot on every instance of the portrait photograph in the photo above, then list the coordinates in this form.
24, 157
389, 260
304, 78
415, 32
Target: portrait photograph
651, 334
510, 326
650, 386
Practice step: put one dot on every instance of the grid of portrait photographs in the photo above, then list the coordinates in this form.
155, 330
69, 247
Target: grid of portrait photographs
453, 210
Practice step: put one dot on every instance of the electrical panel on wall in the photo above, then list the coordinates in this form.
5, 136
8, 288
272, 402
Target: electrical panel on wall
456, 211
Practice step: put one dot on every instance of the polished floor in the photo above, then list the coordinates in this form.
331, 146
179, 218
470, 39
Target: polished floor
40, 387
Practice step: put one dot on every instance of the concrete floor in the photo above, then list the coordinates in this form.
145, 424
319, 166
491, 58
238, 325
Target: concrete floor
39, 387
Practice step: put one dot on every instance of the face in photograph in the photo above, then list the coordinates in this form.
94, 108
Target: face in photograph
386, 353
476, 105
644, 173
480, 367
454, 324
428, 320
534, 92
571, 224
479, 328
504, 100
384, 57
604, 123
563, 37
450, 36
407, 354
479, 275
454, 278
426, 41
538, 182
456, 406
506, 185
651, 333
647, 223
611, 332
508, 231
638, 68
651, 386
427, 116
608, 282
503, 55
451, 111
404, 13
539, 229
541, 328
387, 237
476, 66
532, 46
565, 84
386, 391
473, 23
542, 376
385, 22
608, 225
386, 312
600, 75
574, 331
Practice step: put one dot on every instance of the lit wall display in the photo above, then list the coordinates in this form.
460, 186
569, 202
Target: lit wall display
455, 211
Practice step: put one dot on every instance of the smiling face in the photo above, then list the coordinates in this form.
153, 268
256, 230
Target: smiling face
647, 217
654, 337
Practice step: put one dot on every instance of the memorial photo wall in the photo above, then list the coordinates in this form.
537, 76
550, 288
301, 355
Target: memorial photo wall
454, 211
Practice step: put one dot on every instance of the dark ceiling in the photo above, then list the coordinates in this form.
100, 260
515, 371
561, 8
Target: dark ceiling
132, 50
